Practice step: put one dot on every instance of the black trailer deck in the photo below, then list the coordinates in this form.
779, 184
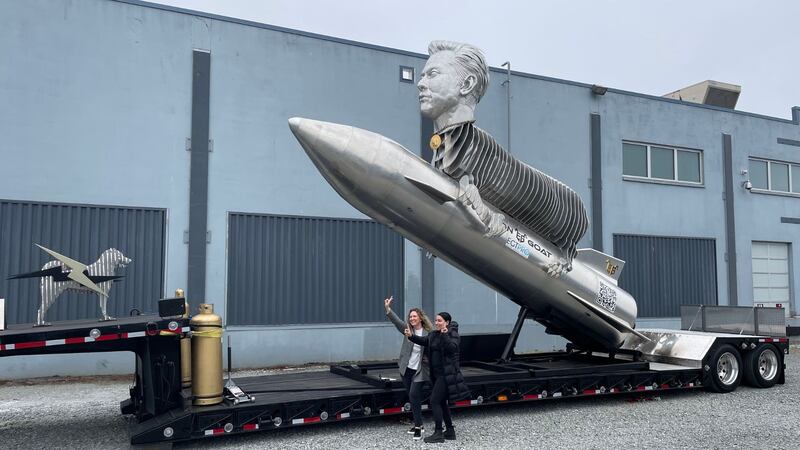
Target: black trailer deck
154, 340
89, 335
359, 391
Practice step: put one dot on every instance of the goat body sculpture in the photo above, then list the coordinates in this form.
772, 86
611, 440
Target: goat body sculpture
64, 274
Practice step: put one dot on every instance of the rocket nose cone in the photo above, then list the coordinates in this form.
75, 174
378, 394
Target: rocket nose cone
308, 133
294, 124
301, 132
324, 141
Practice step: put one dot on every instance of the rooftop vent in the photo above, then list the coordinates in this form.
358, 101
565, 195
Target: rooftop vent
709, 92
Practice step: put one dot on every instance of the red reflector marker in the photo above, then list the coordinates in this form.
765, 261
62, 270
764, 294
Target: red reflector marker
33, 344
306, 420
107, 337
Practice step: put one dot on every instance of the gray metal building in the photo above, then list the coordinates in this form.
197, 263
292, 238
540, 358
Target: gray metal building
163, 132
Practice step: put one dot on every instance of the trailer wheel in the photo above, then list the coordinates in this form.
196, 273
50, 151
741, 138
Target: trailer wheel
725, 369
762, 366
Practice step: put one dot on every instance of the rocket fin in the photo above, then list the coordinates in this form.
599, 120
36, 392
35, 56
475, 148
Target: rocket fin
431, 191
604, 264
443, 197
612, 320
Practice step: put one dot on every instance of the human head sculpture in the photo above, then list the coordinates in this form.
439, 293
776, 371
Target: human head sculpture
452, 83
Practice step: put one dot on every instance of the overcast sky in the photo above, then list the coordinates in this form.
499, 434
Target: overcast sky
653, 47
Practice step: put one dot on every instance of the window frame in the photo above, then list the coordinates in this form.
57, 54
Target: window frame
413, 74
675, 181
769, 189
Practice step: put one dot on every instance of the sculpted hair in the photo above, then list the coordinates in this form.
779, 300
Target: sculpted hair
469, 61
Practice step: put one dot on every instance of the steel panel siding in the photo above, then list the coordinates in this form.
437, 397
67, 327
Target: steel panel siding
306, 270
81, 232
663, 273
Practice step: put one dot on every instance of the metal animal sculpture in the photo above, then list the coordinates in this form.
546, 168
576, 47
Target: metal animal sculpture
65, 274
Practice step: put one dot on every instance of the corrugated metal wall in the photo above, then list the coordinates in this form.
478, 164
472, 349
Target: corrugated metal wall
80, 232
304, 270
663, 273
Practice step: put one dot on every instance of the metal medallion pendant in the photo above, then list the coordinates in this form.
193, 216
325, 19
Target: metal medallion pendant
436, 141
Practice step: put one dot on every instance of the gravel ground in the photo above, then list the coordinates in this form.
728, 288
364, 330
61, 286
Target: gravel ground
84, 413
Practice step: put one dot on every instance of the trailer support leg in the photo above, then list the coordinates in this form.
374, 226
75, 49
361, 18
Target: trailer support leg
512, 340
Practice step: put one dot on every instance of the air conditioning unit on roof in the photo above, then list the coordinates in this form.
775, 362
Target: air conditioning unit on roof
709, 92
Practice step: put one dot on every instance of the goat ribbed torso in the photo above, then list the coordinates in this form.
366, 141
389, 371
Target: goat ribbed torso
540, 202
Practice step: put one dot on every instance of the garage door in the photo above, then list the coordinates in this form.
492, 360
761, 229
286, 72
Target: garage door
663, 273
81, 232
771, 275
286, 270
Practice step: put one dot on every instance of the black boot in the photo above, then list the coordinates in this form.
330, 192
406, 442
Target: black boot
436, 438
450, 433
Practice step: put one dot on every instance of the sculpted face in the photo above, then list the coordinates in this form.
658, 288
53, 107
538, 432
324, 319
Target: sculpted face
439, 86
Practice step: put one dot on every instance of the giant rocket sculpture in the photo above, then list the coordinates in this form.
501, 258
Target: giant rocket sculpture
495, 218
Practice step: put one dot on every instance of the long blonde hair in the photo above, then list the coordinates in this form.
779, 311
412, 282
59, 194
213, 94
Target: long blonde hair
426, 323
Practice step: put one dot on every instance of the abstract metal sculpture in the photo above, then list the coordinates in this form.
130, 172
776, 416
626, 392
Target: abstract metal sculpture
67, 274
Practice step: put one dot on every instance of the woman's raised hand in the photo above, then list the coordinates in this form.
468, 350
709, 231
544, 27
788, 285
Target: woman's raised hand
407, 331
387, 303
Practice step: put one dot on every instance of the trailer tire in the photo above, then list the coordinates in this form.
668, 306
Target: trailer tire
762, 366
725, 369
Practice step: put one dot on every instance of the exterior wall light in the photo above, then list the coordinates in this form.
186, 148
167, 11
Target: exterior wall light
407, 74
599, 90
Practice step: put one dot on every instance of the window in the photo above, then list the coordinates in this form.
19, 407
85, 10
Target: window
660, 163
634, 160
775, 176
771, 274
407, 74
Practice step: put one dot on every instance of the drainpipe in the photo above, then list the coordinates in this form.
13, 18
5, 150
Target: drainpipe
507, 84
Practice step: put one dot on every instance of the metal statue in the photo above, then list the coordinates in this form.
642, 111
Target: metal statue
476, 207
67, 274
452, 83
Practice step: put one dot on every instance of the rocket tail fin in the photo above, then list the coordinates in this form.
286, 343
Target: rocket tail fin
606, 265
612, 320
437, 194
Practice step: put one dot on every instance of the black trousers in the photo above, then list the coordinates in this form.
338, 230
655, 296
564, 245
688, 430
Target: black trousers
439, 405
414, 395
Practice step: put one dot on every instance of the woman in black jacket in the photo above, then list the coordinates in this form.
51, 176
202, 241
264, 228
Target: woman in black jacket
441, 348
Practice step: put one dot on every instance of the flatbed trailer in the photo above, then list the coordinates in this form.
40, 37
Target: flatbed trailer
671, 361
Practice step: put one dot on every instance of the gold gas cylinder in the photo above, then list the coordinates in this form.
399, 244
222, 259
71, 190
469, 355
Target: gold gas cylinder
186, 347
206, 356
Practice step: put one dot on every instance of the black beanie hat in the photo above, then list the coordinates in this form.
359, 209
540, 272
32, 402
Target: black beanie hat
445, 316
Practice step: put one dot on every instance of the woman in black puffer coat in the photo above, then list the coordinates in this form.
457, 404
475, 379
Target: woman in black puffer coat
442, 350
